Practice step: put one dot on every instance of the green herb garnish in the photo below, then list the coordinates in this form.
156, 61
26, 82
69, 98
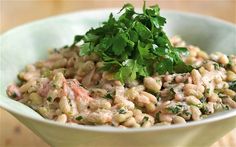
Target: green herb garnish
204, 116
134, 45
221, 95
109, 96
158, 97
175, 109
81, 85
157, 117
225, 107
217, 66
234, 98
207, 91
79, 118
204, 109
46, 73
49, 99
65, 46
14, 95
230, 64
145, 118
122, 111
172, 91
186, 112
232, 85
203, 100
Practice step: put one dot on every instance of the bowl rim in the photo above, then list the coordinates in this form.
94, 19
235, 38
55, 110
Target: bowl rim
227, 115
109, 129
112, 10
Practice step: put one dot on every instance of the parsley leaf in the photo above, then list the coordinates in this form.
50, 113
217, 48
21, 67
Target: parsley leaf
175, 109
142, 30
49, 99
232, 85
77, 39
79, 118
157, 117
134, 45
145, 119
109, 96
122, 111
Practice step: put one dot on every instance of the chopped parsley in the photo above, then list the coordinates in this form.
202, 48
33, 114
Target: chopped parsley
225, 107
234, 98
204, 109
179, 109
79, 118
171, 92
217, 66
69, 101
54, 85
134, 45
81, 85
232, 85
14, 95
158, 97
221, 95
175, 109
157, 117
65, 46
49, 99
199, 105
46, 73
204, 116
207, 91
109, 96
145, 118
186, 112
230, 64
203, 100
122, 111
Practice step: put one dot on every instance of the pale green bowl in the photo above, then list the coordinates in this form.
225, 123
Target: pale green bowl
29, 43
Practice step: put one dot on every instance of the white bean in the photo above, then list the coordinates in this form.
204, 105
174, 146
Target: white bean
223, 59
35, 99
178, 120
131, 93
150, 107
62, 118
196, 76
64, 105
231, 76
165, 118
230, 102
196, 113
151, 97
131, 122
123, 117
152, 84
213, 98
192, 100
26, 86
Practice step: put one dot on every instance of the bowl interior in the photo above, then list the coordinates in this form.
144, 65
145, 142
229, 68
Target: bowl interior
29, 43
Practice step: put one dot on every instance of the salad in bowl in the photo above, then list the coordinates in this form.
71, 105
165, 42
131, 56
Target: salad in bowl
126, 73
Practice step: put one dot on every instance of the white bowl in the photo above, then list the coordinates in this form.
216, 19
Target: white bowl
29, 43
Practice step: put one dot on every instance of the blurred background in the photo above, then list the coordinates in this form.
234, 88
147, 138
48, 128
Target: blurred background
17, 12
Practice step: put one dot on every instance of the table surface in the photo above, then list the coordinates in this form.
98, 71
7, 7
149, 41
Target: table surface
16, 12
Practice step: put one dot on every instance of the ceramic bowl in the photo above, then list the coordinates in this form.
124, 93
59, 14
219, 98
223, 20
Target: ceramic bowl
29, 43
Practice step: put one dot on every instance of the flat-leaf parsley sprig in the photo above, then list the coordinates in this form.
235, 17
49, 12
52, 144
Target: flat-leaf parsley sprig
134, 45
